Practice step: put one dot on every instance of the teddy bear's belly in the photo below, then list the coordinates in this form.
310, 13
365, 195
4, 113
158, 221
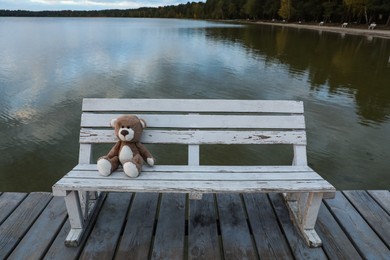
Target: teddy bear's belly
125, 154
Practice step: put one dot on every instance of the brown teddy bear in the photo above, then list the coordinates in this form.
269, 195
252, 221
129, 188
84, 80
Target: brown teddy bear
128, 151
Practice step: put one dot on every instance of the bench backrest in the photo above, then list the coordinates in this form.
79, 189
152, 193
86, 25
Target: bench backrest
194, 122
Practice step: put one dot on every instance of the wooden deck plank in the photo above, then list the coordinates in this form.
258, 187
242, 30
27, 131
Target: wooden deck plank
366, 241
270, 242
170, 231
236, 238
35, 243
8, 202
203, 240
16, 225
375, 215
104, 237
58, 250
298, 246
137, 236
382, 197
335, 242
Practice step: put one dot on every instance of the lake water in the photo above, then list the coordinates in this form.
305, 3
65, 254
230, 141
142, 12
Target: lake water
47, 65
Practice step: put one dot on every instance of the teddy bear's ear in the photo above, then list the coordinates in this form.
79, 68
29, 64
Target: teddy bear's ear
143, 123
112, 123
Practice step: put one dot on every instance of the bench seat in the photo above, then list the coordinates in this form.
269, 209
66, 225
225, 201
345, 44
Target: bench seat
197, 179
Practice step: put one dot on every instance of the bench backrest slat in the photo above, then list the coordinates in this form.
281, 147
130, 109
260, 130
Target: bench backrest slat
192, 105
203, 121
200, 137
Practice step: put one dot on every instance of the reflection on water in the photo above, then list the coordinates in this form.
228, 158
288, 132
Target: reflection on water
335, 64
49, 64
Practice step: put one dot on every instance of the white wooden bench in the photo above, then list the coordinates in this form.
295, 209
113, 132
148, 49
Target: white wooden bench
195, 123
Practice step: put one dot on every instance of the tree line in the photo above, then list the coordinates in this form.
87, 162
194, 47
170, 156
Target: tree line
336, 11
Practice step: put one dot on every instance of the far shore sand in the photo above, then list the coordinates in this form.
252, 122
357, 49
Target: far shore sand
327, 28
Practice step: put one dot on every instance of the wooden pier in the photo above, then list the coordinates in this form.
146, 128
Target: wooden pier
354, 225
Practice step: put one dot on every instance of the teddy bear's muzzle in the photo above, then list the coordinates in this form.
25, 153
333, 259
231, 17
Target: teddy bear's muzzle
126, 134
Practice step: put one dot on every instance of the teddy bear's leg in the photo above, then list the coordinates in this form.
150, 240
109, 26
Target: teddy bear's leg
106, 165
133, 168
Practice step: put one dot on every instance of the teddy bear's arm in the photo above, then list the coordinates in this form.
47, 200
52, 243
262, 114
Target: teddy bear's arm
147, 156
114, 150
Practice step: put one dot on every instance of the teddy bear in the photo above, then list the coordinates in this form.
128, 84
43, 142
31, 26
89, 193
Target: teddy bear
128, 151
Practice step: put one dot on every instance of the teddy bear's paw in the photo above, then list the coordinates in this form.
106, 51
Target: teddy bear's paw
104, 167
130, 170
150, 161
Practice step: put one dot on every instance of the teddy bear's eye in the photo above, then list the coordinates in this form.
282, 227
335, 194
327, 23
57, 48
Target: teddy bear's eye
128, 127
123, 126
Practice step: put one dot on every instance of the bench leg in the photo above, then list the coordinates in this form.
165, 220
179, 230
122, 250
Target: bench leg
304, 211
82, 210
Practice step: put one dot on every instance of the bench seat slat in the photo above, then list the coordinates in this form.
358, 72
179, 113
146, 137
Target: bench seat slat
203, 121
193, 105
209, 168
88, 135
215, 176
202, 186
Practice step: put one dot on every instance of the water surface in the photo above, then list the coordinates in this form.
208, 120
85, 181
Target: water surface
47, 65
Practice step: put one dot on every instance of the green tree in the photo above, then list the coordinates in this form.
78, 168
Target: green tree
286, 10
358, 8
249, 8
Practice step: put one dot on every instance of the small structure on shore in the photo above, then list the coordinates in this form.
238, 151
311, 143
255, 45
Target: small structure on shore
372, 26
344, 25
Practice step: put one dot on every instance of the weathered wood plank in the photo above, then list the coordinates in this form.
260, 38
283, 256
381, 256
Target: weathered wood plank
193, 154
300, 157
58, 250
335, 242
202, 229
170, 231
382, 197
104, 237
192, 105
374, 214
137, 236
366, 241
85, 153
236, 237
40, 236
21, 219
209, 168
198, 176
8, 202
270, 242
72, 202
203, 121
298, 246
192, 186
91, 136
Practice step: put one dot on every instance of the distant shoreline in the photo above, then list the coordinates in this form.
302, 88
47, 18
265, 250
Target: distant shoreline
326, 28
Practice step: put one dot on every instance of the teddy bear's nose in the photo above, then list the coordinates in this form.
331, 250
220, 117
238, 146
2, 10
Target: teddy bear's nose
124, 132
